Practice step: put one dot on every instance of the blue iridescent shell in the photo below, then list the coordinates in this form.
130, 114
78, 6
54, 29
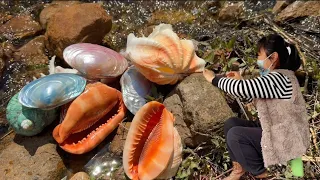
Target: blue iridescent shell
52, 91
135, 87
28, 121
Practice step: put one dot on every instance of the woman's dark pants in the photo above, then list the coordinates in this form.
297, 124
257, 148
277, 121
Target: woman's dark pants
244, 144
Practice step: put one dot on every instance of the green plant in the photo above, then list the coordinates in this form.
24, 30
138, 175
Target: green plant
155, 95
206, 160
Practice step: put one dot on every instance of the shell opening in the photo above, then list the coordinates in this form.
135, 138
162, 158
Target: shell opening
81, 136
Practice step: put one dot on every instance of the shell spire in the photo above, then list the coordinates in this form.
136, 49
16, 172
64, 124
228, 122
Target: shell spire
162, 57
26, 124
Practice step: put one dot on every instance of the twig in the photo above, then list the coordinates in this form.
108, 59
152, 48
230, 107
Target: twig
242, 108
310, 159
202, 134
305, 87
311, 129
314, 139
6, 134
224, 173
313, 116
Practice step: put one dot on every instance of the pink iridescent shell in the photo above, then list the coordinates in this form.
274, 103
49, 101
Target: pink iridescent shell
95, 61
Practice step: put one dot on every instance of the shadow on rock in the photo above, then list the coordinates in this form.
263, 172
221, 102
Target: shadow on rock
32, 143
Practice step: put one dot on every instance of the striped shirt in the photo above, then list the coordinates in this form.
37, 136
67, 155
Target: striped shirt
272, 85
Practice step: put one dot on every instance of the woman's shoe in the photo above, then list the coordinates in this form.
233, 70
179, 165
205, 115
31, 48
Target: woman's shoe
237, 172
263, 175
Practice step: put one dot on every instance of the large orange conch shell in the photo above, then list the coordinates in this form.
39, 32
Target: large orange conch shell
162, 57
90, 118
153, 148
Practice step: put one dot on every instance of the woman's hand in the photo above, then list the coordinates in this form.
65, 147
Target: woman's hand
209, 75
234, 75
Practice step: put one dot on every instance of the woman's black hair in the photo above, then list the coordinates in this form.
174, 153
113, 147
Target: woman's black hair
275, 43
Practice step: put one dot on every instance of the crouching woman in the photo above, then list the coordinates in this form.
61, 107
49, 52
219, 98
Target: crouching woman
282, 132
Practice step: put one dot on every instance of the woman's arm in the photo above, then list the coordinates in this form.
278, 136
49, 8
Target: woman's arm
273, 85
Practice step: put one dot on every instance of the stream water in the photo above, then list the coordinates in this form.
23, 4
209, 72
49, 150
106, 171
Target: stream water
190, 19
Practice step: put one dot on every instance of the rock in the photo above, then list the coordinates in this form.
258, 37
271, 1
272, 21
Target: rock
2, 63
174, 104
120, 174
20, 27
146, 31
80, 176
77, 23
4, 17
32, 53
280, 5
213, 7
299, 9
203, 112
52, 9
118, 141
6, 50
30, 158
231, 12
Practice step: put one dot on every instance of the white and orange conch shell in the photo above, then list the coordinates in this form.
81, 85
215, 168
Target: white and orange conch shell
153, 148
162, 57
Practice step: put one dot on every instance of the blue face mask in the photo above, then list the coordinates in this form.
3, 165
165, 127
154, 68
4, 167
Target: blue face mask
260, 64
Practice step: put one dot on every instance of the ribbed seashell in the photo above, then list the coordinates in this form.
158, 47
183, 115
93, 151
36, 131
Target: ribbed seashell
95, 61
176, 159
135, 87
52, 90
162, 57
28, 121
153, 147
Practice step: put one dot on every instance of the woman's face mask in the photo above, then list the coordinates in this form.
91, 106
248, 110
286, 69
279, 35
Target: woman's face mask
260, 64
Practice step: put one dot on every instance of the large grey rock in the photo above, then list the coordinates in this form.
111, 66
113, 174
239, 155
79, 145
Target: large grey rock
199, 108
30, 158
87, 23
299, 9
174, 105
